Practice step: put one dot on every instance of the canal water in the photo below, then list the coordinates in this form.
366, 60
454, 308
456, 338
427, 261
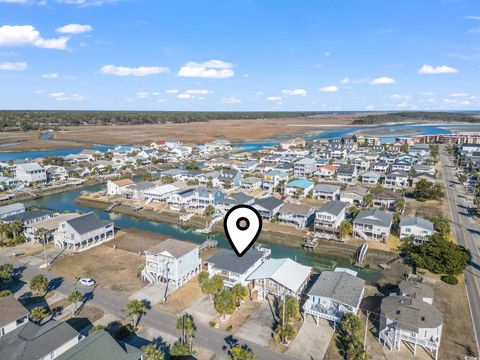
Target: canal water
66, 202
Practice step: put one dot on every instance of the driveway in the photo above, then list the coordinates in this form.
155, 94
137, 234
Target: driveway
258, 328
153, 293
311, 341
202, 310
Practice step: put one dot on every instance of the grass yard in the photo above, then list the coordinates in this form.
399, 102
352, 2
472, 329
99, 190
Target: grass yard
135, 240
427, 209
114, 270
182, 298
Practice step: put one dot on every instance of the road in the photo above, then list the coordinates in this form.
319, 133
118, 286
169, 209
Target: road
207, 337
467, 234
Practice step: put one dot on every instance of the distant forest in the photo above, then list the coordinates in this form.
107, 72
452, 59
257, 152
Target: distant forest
34, 120
414, 116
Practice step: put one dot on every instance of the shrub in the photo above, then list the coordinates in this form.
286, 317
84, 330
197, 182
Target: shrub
450, 279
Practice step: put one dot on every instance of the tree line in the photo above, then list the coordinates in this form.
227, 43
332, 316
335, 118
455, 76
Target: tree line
374, 119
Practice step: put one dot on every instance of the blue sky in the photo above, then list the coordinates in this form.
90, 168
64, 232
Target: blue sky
240, 54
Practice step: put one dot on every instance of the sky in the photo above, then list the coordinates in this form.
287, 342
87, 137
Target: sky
240, 55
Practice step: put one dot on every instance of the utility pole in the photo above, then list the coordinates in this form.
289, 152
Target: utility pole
366, 332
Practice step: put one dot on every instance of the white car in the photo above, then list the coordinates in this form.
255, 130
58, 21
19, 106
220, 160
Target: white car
87, 281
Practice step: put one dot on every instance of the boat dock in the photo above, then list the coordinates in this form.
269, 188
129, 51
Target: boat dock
388, 265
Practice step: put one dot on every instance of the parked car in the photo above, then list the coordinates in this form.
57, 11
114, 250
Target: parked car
87, 281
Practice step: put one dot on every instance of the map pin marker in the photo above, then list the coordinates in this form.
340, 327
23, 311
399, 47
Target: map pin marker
242, 226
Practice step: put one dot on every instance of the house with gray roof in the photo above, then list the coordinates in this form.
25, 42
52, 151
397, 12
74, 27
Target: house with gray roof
172, 261
329, 216
385, 198
12, 209
334, 294
347, 174
12, 314
30, 173
297, 215
416, 228
304, 168
372, 224
83, 231
234, 269
32, 341
370, 177
272, 179
267, 207
251, 183
326, 191
29, 217
101, 345
410, 317
396, 180
205, 196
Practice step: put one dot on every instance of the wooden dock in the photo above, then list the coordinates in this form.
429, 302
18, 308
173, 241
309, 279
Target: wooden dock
388, 265
310, 244
209, 244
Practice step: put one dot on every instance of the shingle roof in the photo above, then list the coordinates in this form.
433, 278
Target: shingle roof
327, 188
12, 207
298, 209
32, 166
101, 345
411, 314
123, 182
416, 290
374, 217
28, 215
339, 285
417, 221
10, 310
86, 223
174, 247
286, 272
229, 261
268, 203
333, 207
385, 194
32, 341
346, 169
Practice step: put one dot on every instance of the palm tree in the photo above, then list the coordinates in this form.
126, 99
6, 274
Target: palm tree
241, 353
38, 284
225, 303
135, 309
37, 314
75, 297
4, 228
150, 352
15, 228
351, 324
239, 292
41, 236
368, 200
186, 325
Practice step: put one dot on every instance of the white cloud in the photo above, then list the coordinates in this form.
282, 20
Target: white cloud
231, 100
458, 94
443, 69
472, 17
294, 92
50, 76
329, 89
383, 81
405, 97
14, 1
87, 2
327, 53
474, 31
184, 96
172, 91
215, 69
274, 98
74, 29
133, 71
23, 35
197, 92
193, 94
348, 80
13, 66
142, 94
61, 96
369, 107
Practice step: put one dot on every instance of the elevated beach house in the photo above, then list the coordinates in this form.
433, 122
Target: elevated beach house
172, 261
372, 224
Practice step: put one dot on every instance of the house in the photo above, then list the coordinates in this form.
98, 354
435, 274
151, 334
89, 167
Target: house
400, 165
326, 191
334, 294
160, 192
411, 318
381, 167
32, 341
372, 224
172, 261
182, 199
326, 171
12, 209
137, 191
7, 183
234, 199
416, 228
298, 188
385, 198
329, 216
102, 345
56, 174
251, 183
267, 207
49, 225
297, 215
396, 180
229, 178
247, 166
235, 269
118, 187
83, 231
279, 277
272, 179
30, 173
12, 315
204, 196
415, 289
29, 217
354, 194
361, 163
370, 177
347, 174
304, 168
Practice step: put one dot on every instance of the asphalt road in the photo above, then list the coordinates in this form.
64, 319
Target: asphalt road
209, 338
467, 234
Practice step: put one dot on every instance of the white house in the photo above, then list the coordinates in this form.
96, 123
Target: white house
329, 216
347, 174
118, 187
83, 231
12, 209
299, 188
334, 294
12, 314
30, 173
234, 269
172, 261
372, 224
296, 214
416, 228
304, 168
326, 191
